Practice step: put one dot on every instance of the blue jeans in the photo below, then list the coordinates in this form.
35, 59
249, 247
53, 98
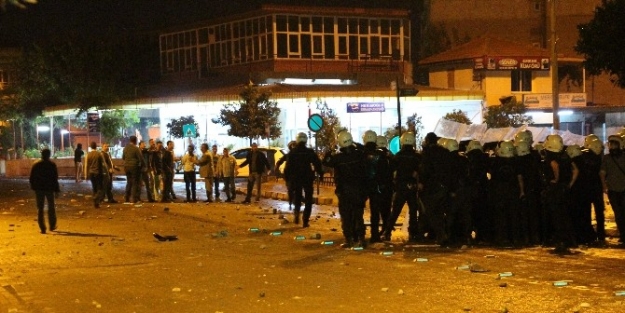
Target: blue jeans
229, 187
41, 196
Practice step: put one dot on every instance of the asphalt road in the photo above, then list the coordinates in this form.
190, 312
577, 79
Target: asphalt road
107, 260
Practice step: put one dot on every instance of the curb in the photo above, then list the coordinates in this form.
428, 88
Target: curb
277, 195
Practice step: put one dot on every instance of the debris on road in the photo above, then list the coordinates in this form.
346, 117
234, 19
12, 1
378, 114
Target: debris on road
165, 238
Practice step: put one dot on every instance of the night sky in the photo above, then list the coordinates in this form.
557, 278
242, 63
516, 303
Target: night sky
19, 26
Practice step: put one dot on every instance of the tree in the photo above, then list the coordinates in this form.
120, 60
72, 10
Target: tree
112, 123
458, 116
601, 41
325, 137
253, 117
508, 113
175, 128
413, 123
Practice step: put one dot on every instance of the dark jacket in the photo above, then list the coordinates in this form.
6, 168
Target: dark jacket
44, 176
261, 162
298, 165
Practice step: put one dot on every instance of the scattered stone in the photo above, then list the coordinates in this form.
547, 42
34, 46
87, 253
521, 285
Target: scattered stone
166, 209
476, 268
262, 294
585, 305
176, 289
81, 213
503, 285
385, 289
400, 292
100, 243
466, 309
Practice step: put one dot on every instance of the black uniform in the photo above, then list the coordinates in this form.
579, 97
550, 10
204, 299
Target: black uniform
478, 191
405, 166
379, 190
350, 167
592, 196
556, 199
531, 210
437, 176
300, 175
505, 199
458, 219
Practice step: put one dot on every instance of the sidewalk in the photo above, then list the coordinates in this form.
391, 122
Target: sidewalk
273, 188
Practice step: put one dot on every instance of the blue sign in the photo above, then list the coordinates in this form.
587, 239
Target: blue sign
188, 130
364, 107
315, 122
394, 145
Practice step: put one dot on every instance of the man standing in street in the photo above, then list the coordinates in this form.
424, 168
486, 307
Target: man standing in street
133, 161
258, 165
168, 172
108, 176
228, 171
146, 177
206, 171
154, 180
96, 169
44, 180
299, 168
216, 179
613, 180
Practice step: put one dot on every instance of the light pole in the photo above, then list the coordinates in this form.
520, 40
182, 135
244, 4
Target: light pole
63, 132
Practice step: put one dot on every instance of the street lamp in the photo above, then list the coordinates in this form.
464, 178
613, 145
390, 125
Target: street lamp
63, 132
41, 129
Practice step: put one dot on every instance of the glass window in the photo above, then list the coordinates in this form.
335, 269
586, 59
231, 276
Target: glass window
353, 47
306, 46
329, 46
373, 27
235, 30
385, 27
342, 25
364, 45
305, 24
202, 35
395, 27
353, 26
281, 23
293, 23
317, 44
343, 45
363, 26
263, 25
375, 46
328, 25
317, 24
293, 44
249, 29
282, 46
521, 80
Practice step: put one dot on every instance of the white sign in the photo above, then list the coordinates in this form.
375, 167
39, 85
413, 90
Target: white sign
545, 100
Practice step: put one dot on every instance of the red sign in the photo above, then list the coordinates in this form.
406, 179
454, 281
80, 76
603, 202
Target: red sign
511, 63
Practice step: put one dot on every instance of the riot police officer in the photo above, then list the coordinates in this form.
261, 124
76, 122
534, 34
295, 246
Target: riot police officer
458, 218
405, 167
530, 212
506, 192
300, 176
350, 167
477, 184
592, 197
379, 183
559, 176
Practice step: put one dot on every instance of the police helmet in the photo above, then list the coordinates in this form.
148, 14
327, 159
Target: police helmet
474, 145
524, 135
616, 138
408, 138
595, 146
523, 147
369, 136
573, 151
345, 139
381, 142
588, 139
301, 137
292, 144
554, 143
441, 141
451, 145
505, 149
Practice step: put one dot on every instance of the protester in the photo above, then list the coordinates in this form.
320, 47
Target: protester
207, 171
168, 173
108, 177
96, 168
189, 161
78, 155
228, 171
258, 164
44, 180
216, 178
133, 161
146, 177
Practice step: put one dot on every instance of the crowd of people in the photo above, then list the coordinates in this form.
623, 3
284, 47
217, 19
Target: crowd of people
517, 194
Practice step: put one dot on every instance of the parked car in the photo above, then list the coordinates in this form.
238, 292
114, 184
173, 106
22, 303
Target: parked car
273, 155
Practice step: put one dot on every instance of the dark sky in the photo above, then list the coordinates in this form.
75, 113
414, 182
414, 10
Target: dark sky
18, 26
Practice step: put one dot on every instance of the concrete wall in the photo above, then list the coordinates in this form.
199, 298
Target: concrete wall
65, 166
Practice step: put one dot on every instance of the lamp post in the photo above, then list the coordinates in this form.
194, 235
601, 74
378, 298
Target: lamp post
41, 129
63, 132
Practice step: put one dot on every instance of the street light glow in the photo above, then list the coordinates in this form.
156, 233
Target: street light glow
43, 128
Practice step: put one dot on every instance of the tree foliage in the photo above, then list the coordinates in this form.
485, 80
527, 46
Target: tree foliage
458, 116
112, 123
252, 116
174, 128
509, 113
414, 124
326, 136
601, 41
